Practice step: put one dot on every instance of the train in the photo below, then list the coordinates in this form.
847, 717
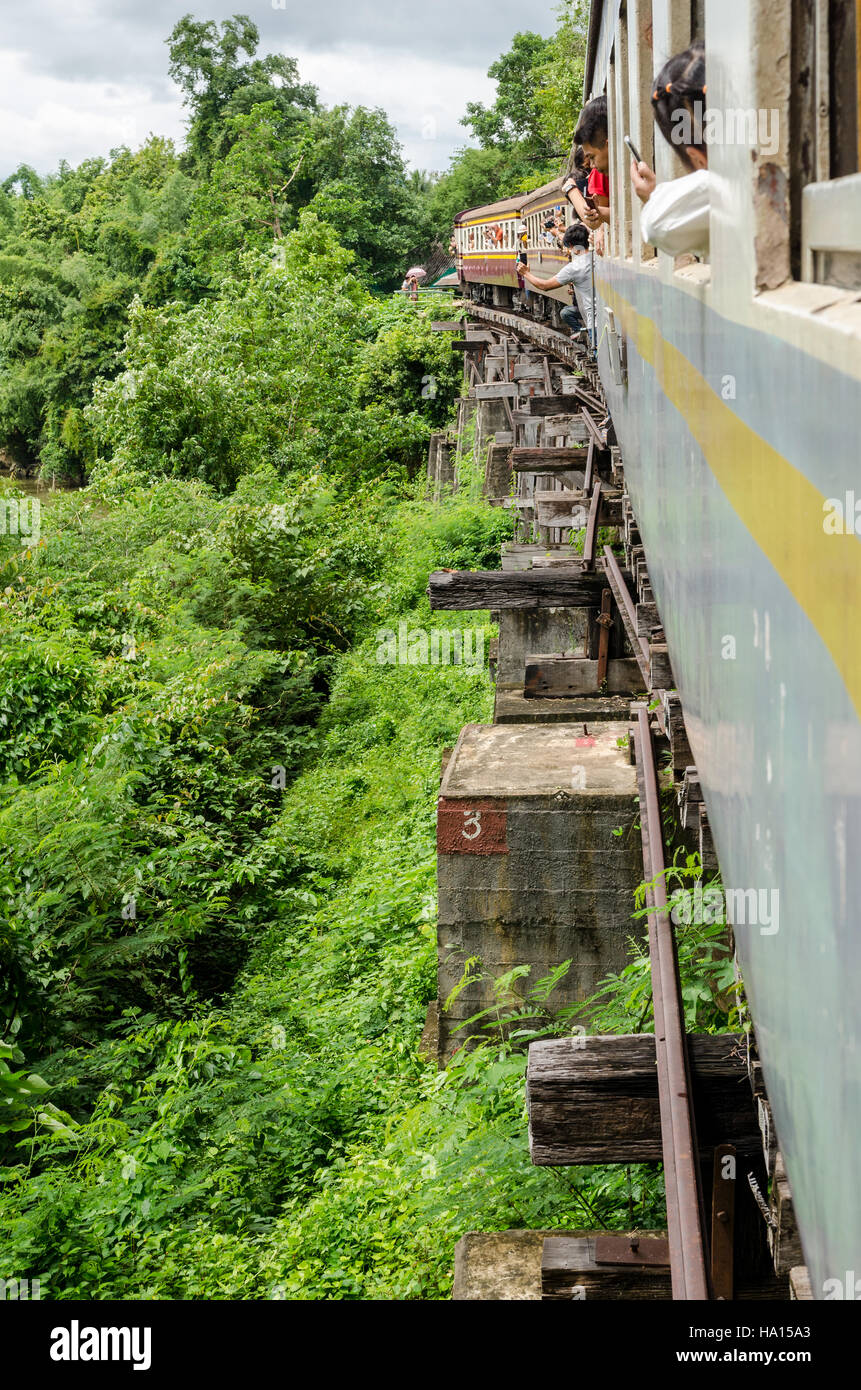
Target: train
489, 245
734, 385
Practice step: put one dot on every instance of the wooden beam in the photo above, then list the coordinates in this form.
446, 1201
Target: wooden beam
598, 1103
592, 526
575, 1266
495, 391
546, 460
592, 426
491, 589
660, 671
550, 405
556, 677
648, 618
674, 725
447, 326
570, 1269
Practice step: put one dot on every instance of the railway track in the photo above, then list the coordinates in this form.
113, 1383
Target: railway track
535, 400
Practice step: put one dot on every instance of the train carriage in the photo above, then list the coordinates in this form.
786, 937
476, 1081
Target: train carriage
488, 243
738, 409
734, 384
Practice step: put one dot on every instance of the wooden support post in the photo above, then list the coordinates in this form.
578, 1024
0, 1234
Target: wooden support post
592, 527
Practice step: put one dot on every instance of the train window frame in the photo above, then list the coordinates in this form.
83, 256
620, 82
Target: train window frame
822, 114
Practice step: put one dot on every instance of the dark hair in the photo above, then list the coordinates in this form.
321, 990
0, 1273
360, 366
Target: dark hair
576, 235
579, 158
680, 83
592, 127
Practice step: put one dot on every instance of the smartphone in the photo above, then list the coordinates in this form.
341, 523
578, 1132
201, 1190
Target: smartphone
631, 146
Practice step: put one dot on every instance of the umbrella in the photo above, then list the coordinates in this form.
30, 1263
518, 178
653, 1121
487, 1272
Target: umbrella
416, 272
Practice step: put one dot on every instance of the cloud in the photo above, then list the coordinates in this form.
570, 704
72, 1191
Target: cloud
76, 74
423, 97
48, 119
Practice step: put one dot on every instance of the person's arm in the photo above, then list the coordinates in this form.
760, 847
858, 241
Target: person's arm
644, 179
576, 199
534, 280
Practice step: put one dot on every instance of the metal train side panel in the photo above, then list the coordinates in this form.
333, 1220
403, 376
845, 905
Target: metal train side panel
733, 442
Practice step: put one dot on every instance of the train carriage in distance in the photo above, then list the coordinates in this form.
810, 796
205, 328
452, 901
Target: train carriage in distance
489, 243
734, 383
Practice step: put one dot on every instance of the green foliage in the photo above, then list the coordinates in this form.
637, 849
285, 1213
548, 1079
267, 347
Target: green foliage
217, 805
220, 389
354, 168
219, 87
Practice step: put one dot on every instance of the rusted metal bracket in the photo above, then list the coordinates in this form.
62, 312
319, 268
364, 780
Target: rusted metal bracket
723, 1221
632, 1250
605, 623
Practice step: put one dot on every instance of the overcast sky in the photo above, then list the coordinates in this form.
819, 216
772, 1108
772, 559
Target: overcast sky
80, 76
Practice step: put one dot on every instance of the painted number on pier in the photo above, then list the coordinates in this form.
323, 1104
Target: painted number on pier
474, 827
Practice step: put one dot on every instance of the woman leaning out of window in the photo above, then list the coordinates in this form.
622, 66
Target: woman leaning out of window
675, 215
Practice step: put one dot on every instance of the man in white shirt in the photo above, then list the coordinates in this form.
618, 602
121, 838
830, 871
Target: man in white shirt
577, 273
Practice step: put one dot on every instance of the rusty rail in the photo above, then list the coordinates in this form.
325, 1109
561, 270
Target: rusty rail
628, 613
685, 1221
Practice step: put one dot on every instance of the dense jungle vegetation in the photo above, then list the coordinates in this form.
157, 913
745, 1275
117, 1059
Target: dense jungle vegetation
217, 858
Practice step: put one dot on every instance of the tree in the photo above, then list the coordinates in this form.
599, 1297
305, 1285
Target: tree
205, 63
515, 118
354, 173
243, 205
560, 93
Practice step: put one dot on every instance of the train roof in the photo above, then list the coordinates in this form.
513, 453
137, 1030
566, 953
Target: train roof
516, 204
494, 209
546, 190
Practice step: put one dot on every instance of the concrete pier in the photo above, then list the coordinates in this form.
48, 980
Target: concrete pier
529, 870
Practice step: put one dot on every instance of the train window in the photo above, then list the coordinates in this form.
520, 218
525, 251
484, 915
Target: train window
825, 140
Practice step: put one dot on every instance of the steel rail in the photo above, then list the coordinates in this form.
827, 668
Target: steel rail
685, 1222
628, 614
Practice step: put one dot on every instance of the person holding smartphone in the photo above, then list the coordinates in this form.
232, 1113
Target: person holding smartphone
591, 133
675, 215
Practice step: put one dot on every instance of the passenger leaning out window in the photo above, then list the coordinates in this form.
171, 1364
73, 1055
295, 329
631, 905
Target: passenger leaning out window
675, 215
593, 207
